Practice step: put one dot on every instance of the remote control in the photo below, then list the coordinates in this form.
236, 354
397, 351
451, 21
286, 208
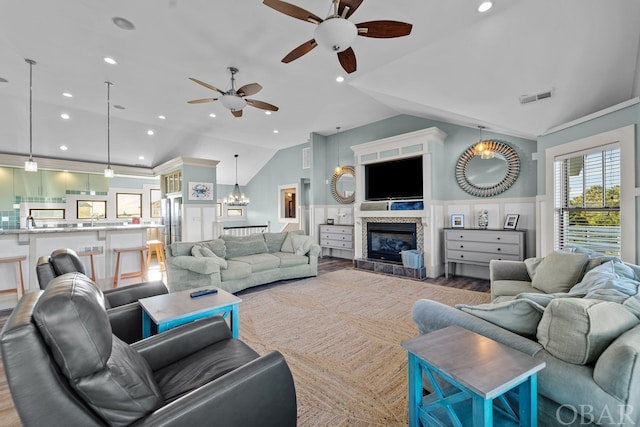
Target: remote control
203, 292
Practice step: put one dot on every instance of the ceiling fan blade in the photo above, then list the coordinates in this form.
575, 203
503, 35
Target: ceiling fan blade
347, 59
248, 90
350, 5
296, 53
237, 113
384, 29
207, 85
293, 11
262, 105
200, 101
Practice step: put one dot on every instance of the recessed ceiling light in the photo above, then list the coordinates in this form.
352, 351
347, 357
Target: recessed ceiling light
63, 147
276, 131
140, 157
268, 113
212, 115
119, 107
110, 60
339, 79
65, 116
161, 117
123, 24
485, 6
150, 132
67, 95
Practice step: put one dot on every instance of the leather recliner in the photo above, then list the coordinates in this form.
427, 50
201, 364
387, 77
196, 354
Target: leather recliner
122, 303
64, 367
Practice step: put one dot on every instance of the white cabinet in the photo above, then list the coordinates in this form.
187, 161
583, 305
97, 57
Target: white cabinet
478, 247
336, 237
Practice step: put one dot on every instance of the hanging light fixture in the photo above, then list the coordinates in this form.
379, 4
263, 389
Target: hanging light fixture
30, 165
338, 168
482, 148
108, 172
235, 197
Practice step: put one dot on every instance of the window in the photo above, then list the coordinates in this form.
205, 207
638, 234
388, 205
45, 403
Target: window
128, 205
234, 212
47, 213
587, 200
154, 199
218, 209
88, 209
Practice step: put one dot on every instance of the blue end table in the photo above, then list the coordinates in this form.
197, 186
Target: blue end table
476, 372
163, 312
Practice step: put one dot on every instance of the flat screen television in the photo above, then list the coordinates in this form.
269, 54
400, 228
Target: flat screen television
394, 180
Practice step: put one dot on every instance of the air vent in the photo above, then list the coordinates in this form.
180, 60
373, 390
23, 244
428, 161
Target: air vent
527, 99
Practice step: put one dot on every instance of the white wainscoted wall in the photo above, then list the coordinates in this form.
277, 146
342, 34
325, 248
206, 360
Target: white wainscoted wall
341, 215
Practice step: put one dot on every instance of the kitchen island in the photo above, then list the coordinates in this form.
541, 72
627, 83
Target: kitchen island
41, 241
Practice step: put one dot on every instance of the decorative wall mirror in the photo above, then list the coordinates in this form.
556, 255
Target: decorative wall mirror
343, 185
486, 177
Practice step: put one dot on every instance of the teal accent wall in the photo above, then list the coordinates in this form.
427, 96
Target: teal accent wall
615, 120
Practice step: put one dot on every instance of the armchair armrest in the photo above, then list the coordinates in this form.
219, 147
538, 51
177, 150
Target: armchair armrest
314, 250
126, 322
260, 393
128, 294
508, 270
162, 349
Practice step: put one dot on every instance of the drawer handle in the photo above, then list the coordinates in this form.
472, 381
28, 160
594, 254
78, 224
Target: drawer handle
498, 238
461, 246
499, 249
461, 256
462, 237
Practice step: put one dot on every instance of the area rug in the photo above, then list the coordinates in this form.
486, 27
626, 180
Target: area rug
340, 333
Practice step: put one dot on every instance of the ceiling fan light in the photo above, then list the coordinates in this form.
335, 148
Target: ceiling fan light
335, 34
233, 102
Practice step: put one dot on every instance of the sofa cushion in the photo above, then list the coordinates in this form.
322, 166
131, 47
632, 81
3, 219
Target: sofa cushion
246, 245
201, 265
235, 270
519, 315
181, 248
291, 260
614, 370
301, 243
259, 262
287, 245
544, 299
110, 376
217, 246
559, 271
511, 287
578, 330
274, 241
201, 251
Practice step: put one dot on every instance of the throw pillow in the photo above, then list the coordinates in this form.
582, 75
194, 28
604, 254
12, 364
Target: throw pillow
545, 299
301, 244
238, 248
578, 330
274, 241
610, 275
559, 271
287, 245
532, 265
519, 315
196, 251
209, 254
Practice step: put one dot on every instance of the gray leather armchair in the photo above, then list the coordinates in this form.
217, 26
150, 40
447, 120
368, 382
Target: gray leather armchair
122, 303
65, 368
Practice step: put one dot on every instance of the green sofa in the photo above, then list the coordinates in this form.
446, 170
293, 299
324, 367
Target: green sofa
235, 263
579, 313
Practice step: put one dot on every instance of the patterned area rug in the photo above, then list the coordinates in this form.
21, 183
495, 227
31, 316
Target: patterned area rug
340, 334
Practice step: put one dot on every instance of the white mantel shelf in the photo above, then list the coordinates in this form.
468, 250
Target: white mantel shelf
392, 214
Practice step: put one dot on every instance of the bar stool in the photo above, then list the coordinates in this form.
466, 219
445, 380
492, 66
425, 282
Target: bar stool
90, 253
143, 266
158, 247
19, 290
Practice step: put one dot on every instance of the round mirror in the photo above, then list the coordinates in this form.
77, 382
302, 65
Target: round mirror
488, 177
343, 185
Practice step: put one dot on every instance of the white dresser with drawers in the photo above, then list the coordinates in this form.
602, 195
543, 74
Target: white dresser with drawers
478, 247
337, 237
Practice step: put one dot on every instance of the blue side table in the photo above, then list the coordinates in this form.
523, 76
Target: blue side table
476, 372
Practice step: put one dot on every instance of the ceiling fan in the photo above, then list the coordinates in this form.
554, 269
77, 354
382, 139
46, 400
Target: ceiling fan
234, 99
336, 32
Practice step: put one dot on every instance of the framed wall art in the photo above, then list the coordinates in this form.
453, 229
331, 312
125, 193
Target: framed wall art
200, 190
511, 221
457, 221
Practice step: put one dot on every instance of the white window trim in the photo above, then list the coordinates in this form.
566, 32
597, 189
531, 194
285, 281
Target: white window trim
625, 137
281, 190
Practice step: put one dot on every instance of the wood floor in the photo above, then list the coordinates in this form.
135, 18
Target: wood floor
9, 417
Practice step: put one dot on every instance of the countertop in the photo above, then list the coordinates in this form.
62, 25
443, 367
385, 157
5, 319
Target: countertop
75, 229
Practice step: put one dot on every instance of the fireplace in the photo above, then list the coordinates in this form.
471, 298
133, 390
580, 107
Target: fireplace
386, 240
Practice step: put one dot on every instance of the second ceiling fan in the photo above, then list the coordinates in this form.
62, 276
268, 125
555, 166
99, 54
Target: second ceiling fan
336, 32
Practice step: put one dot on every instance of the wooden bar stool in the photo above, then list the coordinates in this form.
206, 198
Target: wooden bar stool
20, 284
158, 247
143, 265
90, 254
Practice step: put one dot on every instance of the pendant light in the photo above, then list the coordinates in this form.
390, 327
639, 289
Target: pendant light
108, 172
338, 169
482, 147
30, 165
235, 197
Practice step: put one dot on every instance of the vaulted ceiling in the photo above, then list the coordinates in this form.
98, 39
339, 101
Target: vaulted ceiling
458, 65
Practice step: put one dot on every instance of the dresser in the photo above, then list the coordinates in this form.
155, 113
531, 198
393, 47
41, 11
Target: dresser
336, 237
478, 247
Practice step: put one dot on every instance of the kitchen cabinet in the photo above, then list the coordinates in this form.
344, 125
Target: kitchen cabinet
6, 189
44, 183
87, 182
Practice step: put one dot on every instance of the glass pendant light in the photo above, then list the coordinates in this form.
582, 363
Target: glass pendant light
338, 168
30, 165
108, 172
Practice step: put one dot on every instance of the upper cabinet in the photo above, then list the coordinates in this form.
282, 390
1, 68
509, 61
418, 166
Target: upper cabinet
87, 182
6, 189
43, 183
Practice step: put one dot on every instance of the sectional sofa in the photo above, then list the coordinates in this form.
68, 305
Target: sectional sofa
235, 263
579, 313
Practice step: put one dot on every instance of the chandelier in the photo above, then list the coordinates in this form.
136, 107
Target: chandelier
236, 198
